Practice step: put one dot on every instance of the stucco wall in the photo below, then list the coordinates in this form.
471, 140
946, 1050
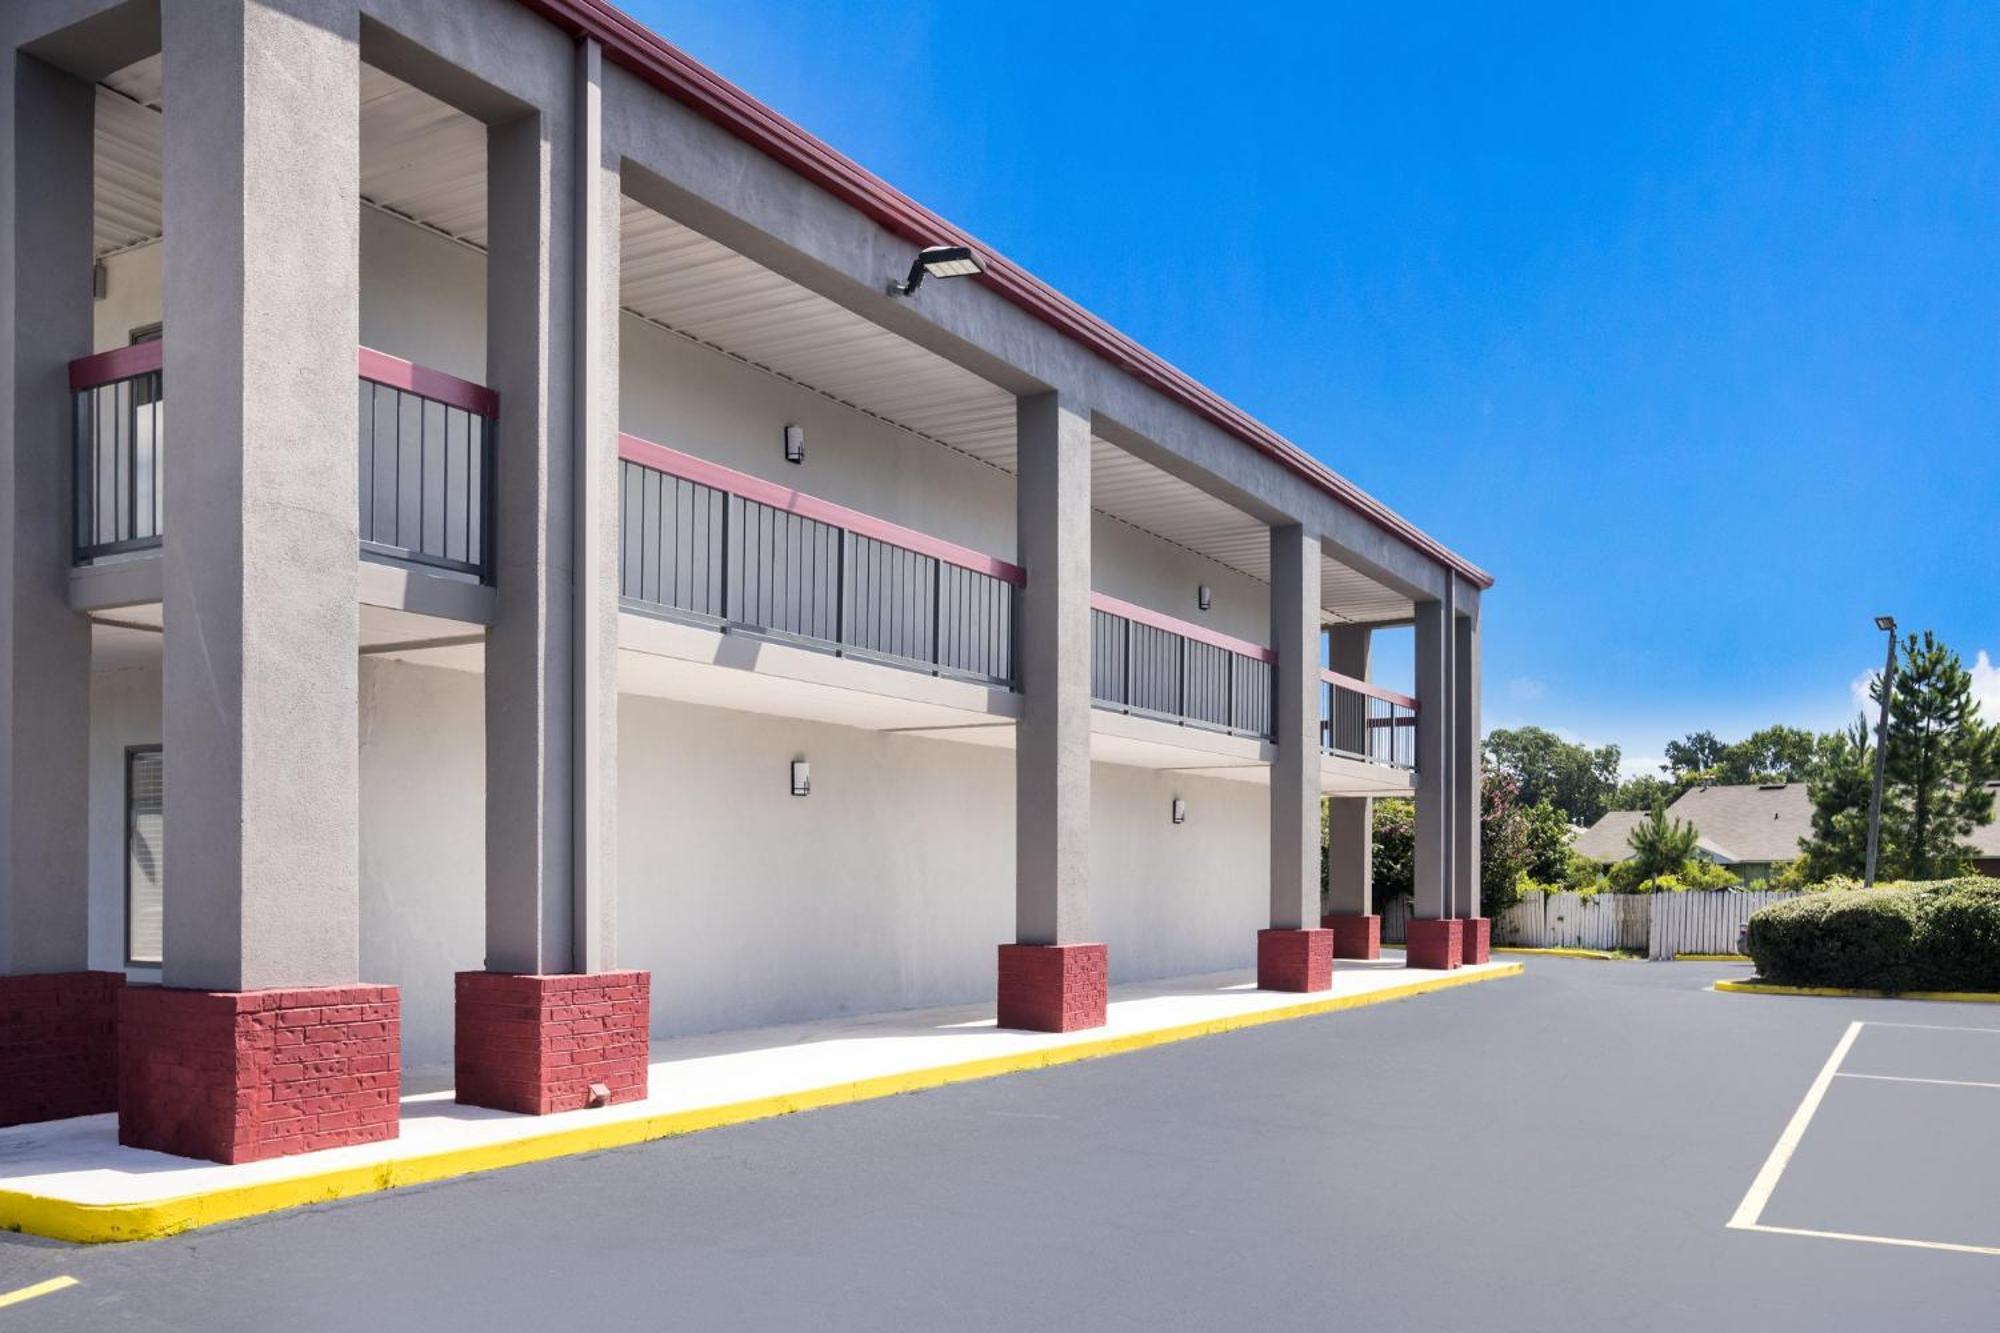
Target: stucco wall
889, 887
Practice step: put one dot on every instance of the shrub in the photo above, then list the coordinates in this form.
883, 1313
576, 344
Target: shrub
1861, 939
1942, 935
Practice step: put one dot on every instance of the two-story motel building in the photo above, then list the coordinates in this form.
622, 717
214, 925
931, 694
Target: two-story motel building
494, 565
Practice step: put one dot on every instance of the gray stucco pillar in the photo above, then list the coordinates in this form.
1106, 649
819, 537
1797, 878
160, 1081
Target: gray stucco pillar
1435, 788
1350, 858
1295, 781
262, 164
1465, 770
595, 257
551, 684
45, 318
1052, 756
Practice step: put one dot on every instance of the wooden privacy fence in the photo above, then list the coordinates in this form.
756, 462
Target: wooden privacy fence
1704, 922
1662, 924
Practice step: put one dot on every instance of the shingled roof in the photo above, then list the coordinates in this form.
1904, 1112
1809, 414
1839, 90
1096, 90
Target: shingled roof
1748, 823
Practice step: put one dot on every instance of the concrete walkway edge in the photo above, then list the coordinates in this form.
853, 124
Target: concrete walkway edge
90, 1223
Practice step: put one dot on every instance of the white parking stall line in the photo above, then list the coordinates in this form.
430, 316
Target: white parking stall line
1931, 1027
1909, 1078
1871, 1240
1761, 1188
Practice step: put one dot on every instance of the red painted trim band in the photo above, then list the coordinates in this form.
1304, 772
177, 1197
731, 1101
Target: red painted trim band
1372, 691
120, 363
700, 470
653, 60
381, 368
1199, 633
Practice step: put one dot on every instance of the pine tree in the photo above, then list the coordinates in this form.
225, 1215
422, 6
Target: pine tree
1941, 756
1661, 846
1839, 841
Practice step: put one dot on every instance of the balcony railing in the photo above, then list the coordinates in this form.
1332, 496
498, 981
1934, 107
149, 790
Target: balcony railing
1152, 665
425, 455
1363, 721
705, 543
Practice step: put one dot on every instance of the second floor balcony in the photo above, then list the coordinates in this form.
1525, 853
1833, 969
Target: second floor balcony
425, 455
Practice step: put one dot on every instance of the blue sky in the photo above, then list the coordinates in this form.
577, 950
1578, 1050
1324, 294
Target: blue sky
1686, 323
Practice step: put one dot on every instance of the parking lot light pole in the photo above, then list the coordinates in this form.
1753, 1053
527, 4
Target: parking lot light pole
1887, 624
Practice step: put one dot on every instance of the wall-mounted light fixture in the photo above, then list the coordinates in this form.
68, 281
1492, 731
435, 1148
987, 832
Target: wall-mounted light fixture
938, 261
1203, 597
1180, 811
100, 281
802, 778
795, 444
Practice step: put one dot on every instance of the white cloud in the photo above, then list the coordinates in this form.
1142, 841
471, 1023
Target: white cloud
1986, 686
1526, 688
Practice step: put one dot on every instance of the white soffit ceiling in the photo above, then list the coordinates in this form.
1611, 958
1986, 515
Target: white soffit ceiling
425, 161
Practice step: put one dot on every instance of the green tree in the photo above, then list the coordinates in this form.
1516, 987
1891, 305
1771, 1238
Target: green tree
1503, 842
1644, 792
1941, 756
1839, 841
1694, 758
1660, 846
1574, 778
1395, 848
1545, 831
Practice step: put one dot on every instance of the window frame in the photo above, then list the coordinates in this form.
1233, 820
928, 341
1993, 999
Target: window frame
132, 753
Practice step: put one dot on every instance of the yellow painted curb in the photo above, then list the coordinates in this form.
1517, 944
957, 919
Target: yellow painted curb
1599, 954
87, 1223
1709, 958
1952, 996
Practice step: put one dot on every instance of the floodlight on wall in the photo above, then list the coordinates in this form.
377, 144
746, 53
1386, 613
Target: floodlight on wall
1180, 811
938, 261
802, 778
795, 444
1203, 598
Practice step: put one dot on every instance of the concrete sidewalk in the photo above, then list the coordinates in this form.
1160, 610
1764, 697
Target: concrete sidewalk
72, 1181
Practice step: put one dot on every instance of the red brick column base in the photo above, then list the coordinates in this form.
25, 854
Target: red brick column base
240, 1076
1295, 960
1475, 940
58, 1045
1053, 987
537, 1044
1433, 944
1355, 935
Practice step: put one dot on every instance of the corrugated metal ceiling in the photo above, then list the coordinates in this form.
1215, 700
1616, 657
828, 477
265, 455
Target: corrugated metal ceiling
425, 161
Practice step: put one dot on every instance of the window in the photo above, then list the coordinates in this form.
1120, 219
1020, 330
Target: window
144, 807
148, 333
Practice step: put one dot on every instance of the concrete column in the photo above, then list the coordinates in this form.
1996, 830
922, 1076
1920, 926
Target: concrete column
262, 163
45, 318
1432, 944
1465, 774
1296, 952
1295, 787
1350, 819
1052, 759
551, 659
1350, 830
528, 314
594, 549
1051, 977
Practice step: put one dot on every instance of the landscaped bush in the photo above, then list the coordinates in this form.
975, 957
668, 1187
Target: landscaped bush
1936, 936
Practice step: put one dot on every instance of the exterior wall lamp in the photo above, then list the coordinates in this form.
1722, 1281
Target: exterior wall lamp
938, 261
795, 444
1180, 811
1203, 596
802, 778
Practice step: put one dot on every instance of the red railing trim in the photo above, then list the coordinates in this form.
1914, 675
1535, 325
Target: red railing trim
120, 363
1173, 625
436, 385
703, 472
1372, 691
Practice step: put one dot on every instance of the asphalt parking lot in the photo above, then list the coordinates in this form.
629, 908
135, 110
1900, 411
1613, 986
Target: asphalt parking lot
1566, 1150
